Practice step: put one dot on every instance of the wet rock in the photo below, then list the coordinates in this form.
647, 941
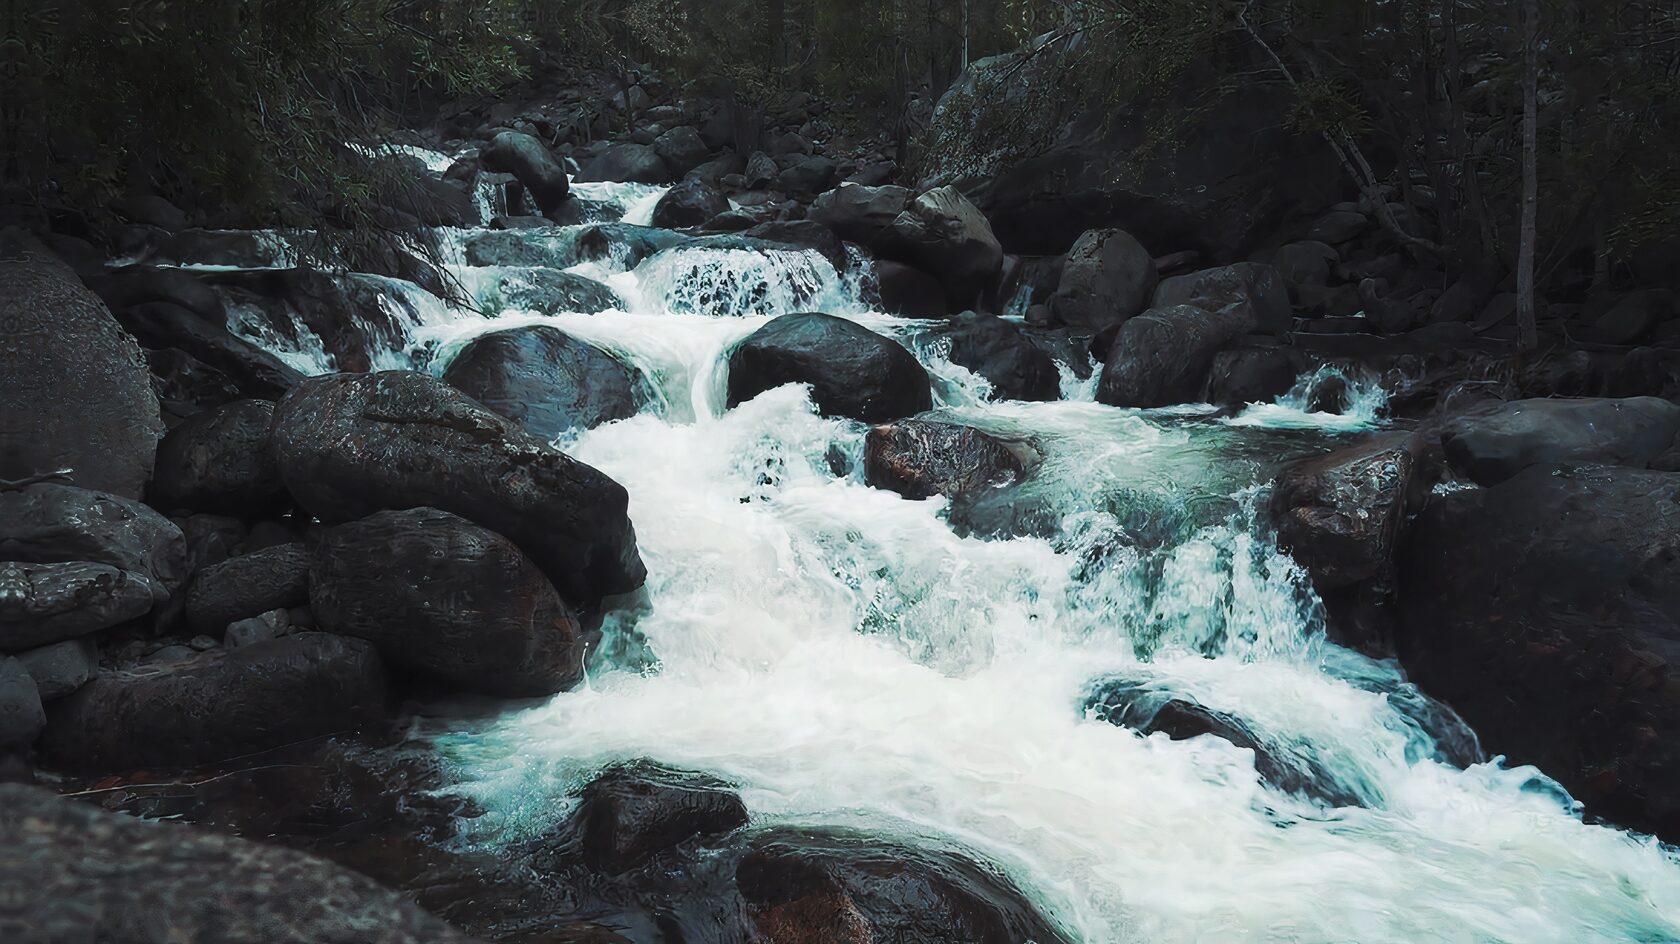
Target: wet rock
626, 243
77, 391
862, 215
1251, 285
107, 877
246, 586
802, 234
634, 811
248, 370
1329, 393
261, 628
943, 233
682, 149
853, 372
218, 462
1340, 514
21, 715
761, 171
1150, 711
1164, 355
41, 604
443, 597
833, 886
529, 161
1546, 609
919, 459
998, 351
1108, 278
61, 668
49, 523
1252, 375
550, 291
545, 380
689, 203
351, 445
1490, 444
909, 292
217, 704
627, 163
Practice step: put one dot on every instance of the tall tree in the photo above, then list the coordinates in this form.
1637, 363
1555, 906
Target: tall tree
1527, 334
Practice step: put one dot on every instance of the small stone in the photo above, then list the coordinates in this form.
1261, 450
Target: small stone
169, 655
202, 643
270, 625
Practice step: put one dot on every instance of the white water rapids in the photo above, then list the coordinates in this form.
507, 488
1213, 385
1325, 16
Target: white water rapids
846, 658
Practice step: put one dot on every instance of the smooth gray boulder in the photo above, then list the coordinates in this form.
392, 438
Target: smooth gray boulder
1494, 442
1108, 277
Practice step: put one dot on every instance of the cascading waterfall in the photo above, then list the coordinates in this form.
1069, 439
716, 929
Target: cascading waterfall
920, 669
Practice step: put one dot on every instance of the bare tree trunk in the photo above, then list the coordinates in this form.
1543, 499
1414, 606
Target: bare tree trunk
1527, 331
965, 32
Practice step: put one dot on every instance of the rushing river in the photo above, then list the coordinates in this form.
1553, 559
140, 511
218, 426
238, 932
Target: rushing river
849, 657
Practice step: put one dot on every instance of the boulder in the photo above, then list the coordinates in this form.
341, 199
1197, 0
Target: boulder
351, 445
802, 234
1339, 515
61, 668
249, 585
919, 459
248, 370
862, 215
1635, 315
682, 149
447, 599
529, 161
1493, 442
1000, 352
1306, 264
21, 715
1338, 227
1164, 355
943, 233
41, 604
634, 811
1108, 277
1546, 610
548, 291
1047, 156
689, 203
98, 876
835, 886
77, 391
626, 162
853, 372
1245, 375
218, 462
255, 629
217, 704
1253, 285
808, 175
50, 523
908, 291
545, 380
761, 171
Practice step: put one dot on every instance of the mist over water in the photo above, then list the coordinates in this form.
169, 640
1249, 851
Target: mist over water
924, 671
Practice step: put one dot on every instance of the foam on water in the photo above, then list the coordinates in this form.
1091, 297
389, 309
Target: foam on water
1366, 403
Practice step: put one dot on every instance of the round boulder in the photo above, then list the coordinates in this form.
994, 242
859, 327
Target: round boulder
853, 372
249, 585
523, 156
1016, 368
1108, 278
919, 459
1164, 355
943, 233
218, 462
545, 380
690, 203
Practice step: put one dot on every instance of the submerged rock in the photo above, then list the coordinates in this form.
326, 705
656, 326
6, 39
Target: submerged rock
1016, 368
545, 380
1494, 442
217, 704
551, 292
1340, 514
443, 597
853, 372
351, 445
633, 811
919, 459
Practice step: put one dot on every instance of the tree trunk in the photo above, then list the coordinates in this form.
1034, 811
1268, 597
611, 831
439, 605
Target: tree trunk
1527, 332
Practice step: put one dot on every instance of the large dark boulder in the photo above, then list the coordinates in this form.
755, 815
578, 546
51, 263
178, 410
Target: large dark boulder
1163, 356
853, 371
351, 445
909, 292
76, 390
634, 811
249, 370
809, 885
50, 523
919, 459
1339, 515
1016, 368
528, 160
1108, 277
1245, 375
98, 876
545, 380
219, 704
626, 162
942, 233
682, 149
1546, 610
862, 215
1493, 442
272, 578
450, 600
1251, 285
41, 604
1047, 156
218, 462
689, 203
